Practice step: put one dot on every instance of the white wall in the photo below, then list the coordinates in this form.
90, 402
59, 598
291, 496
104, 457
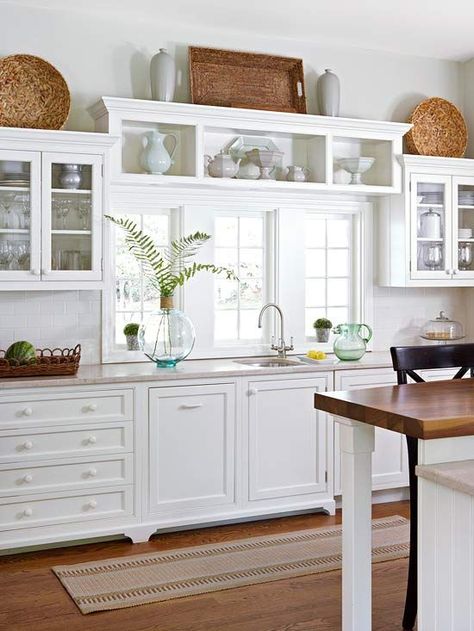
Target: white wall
109, 55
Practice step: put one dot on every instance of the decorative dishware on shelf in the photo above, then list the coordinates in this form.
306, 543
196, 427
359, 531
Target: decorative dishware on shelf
238, 149
465, 233
350, 344
466, 197
221, 165
162, 76
155, 158
266, 160
442, 329
71, 176
297, 174
430, 225
433, 256
248, 170
48, 362
465, 255
329, 93
356, 167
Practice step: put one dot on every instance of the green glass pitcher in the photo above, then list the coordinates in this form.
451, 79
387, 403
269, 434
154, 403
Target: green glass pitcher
350, 345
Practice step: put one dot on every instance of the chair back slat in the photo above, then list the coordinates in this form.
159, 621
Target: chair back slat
408, 359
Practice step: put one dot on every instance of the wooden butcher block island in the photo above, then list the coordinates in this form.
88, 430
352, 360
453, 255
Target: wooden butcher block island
440, 415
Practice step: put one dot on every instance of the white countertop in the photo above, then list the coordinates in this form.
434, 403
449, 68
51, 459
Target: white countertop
189, 369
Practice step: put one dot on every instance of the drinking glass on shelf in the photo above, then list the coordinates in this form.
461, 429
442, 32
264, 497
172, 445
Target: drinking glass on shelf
23, 255
433, 256
6, 201
62, 208
23, 201
5, 255
84, 208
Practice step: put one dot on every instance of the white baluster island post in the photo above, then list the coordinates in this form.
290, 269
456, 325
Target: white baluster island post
440, 415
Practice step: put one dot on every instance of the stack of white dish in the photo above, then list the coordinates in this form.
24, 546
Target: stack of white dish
465, 233
466, 198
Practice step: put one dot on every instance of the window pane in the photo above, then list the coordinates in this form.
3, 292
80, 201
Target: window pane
338, 315
315, 263
338, 233
251, 231
338, 262
227, 257
251, 263
227, 294
157, 227
251, 294
315, 293
225, 325
338, 292
315, 233
310, 316
249, 325
226, 232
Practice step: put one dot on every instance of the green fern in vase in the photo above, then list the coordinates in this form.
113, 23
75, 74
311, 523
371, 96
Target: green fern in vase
171, 338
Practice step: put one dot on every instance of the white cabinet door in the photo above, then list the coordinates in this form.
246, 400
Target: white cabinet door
192, 447
389, 460
71, 217
287, 438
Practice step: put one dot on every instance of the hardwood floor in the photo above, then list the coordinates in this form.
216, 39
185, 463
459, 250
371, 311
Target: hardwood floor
32, 599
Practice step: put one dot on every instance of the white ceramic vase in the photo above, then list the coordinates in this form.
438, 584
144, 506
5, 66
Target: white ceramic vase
329, 93
163, 76
155, 157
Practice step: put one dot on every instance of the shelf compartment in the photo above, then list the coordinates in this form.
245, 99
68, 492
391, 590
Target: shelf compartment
184, 159
381, 172
306, 150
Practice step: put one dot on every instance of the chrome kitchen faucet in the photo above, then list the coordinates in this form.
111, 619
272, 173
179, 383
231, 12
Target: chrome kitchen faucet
281, 347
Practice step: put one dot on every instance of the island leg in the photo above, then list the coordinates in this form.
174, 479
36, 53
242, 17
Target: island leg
357, 445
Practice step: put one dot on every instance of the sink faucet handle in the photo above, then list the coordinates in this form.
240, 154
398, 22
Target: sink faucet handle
290, 347
274, 348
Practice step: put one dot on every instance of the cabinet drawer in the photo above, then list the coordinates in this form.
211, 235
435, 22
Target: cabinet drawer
41, 510
62, 443
54, 408
20, 479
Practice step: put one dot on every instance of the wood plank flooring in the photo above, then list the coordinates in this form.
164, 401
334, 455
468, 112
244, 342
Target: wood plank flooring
32, 599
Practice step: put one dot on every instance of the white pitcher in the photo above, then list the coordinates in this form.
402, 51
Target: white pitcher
155, 157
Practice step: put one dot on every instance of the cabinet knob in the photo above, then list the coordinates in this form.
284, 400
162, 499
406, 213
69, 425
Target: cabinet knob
92, 472
27, 444
27, 412
253, 391
91, 440
28, 512
92, 407
92, 504
27, 478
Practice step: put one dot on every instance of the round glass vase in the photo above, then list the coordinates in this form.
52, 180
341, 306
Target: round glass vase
168, 336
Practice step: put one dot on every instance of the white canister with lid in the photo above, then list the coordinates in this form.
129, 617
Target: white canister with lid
430, 225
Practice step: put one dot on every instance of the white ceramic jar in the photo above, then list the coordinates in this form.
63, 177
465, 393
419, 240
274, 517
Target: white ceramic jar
329, 93
297, 174
163, 76
222, 165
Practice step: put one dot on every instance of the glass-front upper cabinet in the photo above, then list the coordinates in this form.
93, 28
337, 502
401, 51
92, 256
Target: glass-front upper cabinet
431, 226
463, 227
19, 216
71, 217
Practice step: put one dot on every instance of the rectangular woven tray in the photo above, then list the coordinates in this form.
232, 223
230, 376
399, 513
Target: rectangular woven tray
48, 363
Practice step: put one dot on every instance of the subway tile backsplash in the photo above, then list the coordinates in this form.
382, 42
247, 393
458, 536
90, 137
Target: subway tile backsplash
66, 318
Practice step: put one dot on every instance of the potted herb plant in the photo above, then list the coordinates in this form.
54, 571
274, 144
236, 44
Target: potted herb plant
130, 331
323, 328
167, 337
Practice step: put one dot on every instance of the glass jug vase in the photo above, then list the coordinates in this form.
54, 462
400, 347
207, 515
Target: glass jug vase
350, 344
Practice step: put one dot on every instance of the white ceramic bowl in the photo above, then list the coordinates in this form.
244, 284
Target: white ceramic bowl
356, 166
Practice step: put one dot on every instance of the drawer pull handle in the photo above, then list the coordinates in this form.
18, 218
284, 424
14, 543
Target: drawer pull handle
91, 440
28, 478
91, 473
92, 407
191, 406
27, 444
27, 412
27, 512
92, 504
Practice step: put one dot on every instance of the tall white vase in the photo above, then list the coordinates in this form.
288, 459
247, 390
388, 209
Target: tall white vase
163, 76
329, 93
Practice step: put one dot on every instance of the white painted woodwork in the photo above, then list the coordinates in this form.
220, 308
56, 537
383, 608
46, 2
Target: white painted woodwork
287, 438
41, 148
397, 224
192, 447
389, 460
313, 141
357, 445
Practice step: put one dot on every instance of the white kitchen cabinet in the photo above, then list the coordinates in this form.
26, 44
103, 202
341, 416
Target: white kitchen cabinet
50, 232
192, 445
429, 229
288, 443
389, 460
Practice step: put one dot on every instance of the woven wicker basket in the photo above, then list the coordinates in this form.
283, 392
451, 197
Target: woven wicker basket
48, 363
438, 129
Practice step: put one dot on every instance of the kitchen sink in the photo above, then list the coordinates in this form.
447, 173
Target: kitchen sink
268, 362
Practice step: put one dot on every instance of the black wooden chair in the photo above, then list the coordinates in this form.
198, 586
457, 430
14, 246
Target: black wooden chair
406, 361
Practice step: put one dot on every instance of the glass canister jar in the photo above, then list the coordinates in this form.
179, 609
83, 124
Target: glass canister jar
442, 329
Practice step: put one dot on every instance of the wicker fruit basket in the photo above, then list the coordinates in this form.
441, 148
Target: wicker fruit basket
48, 363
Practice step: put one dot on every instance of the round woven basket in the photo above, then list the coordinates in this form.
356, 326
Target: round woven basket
33, 93
439, 129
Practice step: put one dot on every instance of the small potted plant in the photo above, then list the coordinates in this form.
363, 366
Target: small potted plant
130, 331
323, 328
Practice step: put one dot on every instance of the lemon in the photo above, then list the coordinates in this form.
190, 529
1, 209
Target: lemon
313, 354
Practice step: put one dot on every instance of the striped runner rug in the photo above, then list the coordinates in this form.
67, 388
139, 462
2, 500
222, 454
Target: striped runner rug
145, 578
